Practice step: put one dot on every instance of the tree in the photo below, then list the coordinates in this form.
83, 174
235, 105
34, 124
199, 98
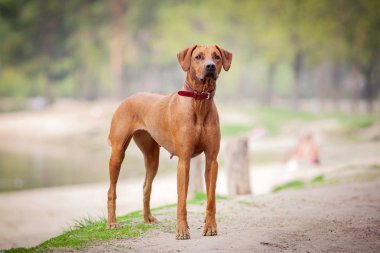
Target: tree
38, 42
358, 24
118, 10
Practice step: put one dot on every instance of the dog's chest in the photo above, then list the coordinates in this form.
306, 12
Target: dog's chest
198, 139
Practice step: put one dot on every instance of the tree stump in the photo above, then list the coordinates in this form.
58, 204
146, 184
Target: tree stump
196, 175
237, 164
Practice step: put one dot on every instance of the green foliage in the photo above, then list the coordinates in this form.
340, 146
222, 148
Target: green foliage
62, 48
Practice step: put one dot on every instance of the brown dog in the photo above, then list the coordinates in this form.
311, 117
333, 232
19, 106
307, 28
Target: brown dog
184, 123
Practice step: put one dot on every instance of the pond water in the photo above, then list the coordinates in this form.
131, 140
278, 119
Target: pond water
45, 167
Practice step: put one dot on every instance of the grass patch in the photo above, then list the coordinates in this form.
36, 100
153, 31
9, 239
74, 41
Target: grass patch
318, 180
228, 130
201, 197
298, 184
198, 198
353, 122
294, 184
87, 230
375, 166
271, 118
274, 118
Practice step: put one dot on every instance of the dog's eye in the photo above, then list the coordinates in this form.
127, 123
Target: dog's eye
216, 57
198, 57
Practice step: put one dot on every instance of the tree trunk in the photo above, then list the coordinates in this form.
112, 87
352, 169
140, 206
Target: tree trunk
369, 86
117, 46
355, 89
48, 91
297, 69
336, 85
47, 25
196, 175
270, 85
237, 164
320, 85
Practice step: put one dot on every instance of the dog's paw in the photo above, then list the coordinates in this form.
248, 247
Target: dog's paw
150, 219
182, 232
113, 225
210, 229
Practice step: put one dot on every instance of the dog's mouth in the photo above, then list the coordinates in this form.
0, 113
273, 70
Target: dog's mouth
210, 75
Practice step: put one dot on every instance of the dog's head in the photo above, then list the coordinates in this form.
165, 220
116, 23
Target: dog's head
204, 62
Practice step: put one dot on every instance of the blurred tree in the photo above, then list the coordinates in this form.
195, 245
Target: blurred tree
84, 49
90, 70
304, 27
37, 41
118, 10
142, 18
293, 32
358, 24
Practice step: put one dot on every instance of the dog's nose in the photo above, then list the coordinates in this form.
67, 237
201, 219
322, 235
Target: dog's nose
210, 67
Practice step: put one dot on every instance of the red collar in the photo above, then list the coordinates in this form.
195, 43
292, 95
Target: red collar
189, 92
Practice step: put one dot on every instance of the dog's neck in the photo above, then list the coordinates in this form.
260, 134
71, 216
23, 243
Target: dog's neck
201, 107
206, 85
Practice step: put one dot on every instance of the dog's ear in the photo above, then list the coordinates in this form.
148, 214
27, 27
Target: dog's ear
184, 57
226, 58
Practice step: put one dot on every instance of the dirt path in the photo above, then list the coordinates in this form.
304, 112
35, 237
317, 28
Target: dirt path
335, 218
22, 213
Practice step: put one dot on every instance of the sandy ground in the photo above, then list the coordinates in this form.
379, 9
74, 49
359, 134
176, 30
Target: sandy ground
336, 218
24, 214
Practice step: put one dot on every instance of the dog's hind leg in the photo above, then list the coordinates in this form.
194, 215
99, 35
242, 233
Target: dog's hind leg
119, 146
151, 151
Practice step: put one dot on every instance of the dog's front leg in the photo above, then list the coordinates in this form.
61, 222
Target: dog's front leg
211, 174
182, 186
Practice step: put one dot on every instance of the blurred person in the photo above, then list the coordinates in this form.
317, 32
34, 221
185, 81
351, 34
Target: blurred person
305, 154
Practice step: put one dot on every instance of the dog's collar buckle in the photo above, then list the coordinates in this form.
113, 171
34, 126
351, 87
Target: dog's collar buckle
207, 94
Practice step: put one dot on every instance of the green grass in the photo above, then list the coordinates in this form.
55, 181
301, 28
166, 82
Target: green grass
274, 118
298, 184
355, 121
294, 184
375, 166
228, 130
201, 197
88, 231
369, 174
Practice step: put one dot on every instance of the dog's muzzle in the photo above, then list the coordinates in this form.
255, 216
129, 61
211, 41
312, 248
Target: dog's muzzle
210, 71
